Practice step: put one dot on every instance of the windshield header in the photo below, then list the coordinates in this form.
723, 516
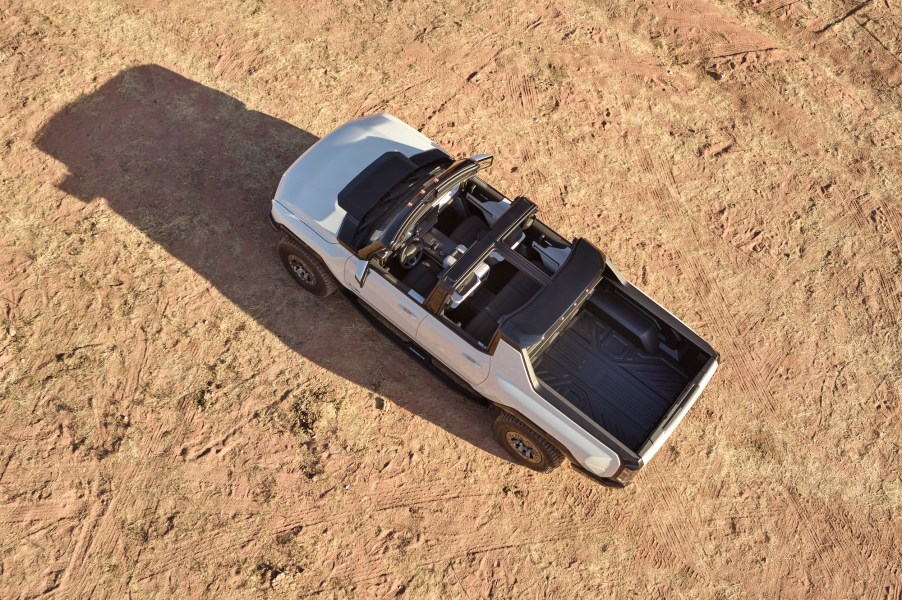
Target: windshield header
384, 202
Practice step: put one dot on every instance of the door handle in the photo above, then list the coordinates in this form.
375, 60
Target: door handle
472, 360
408, 311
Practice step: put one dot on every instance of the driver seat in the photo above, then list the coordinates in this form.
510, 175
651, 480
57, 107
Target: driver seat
420, 279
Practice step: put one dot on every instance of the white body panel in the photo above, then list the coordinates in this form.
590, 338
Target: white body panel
309, 188
455, 353
334, 255
403, 311
657, 439
306, 205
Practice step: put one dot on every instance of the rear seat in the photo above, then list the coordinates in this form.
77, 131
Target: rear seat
515, 294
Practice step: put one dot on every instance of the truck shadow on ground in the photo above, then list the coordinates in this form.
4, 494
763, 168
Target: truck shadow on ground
195, 170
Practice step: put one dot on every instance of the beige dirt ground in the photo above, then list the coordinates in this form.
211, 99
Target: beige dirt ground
180, 420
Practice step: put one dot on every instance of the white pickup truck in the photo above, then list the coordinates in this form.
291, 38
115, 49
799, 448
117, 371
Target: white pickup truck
576, 361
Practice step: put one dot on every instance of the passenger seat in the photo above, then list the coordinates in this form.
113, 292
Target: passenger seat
468, 230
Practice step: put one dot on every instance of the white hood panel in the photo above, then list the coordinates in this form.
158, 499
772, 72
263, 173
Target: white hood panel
309, 188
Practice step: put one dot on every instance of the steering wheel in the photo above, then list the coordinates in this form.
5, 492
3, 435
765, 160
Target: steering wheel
411, 254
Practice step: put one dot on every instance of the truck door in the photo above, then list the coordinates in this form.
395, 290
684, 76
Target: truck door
379, 293
456, 353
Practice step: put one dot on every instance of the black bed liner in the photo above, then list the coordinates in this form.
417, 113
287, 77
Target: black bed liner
611, 379
622, 362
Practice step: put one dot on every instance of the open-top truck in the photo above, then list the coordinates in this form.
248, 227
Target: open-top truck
576, 362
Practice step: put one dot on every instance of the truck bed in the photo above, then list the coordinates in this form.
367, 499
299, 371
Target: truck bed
619, 365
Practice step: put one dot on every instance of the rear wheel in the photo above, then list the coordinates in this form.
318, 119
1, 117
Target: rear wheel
306, 268
527, 447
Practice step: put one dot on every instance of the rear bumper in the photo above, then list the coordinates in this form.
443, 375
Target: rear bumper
605, 481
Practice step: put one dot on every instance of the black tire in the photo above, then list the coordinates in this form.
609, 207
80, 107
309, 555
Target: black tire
527, 447
306, 268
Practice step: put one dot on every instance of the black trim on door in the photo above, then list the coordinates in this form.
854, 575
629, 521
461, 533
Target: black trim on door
412, 348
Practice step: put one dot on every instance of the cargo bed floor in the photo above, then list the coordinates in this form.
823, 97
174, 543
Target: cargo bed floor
610, 379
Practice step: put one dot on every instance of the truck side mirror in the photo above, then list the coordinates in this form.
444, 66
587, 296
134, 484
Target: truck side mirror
360, 273
483, 160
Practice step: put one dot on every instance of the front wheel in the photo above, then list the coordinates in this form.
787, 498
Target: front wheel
527, 447
306, 268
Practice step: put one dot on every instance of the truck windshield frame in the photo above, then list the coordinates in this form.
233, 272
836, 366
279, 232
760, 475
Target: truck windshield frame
398, 224
396, 202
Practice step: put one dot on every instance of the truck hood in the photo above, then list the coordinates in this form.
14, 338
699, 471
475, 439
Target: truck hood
310, 186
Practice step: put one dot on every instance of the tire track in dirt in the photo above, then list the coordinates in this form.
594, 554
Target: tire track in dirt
313, 516
671, 529
500, 19
769, 6
889, 589
29, 475
75, 569
840, 13
367, 106
522, 91
840, 525
216, 443
101, 535
827, 565
872, 218
464, 80
458, 60
854, 212
888, 64
844, 43
446, 551
716, 33
45, 511
869, 214
383, 502
843, 547
388, 500
772, 360
768, 90
889, 297
6, 457
747, 372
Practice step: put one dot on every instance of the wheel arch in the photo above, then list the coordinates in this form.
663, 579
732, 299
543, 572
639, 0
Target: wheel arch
331, 254
574, 464
528, 422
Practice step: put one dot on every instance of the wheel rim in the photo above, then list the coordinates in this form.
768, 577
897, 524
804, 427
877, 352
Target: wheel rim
300, 269
524, 447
